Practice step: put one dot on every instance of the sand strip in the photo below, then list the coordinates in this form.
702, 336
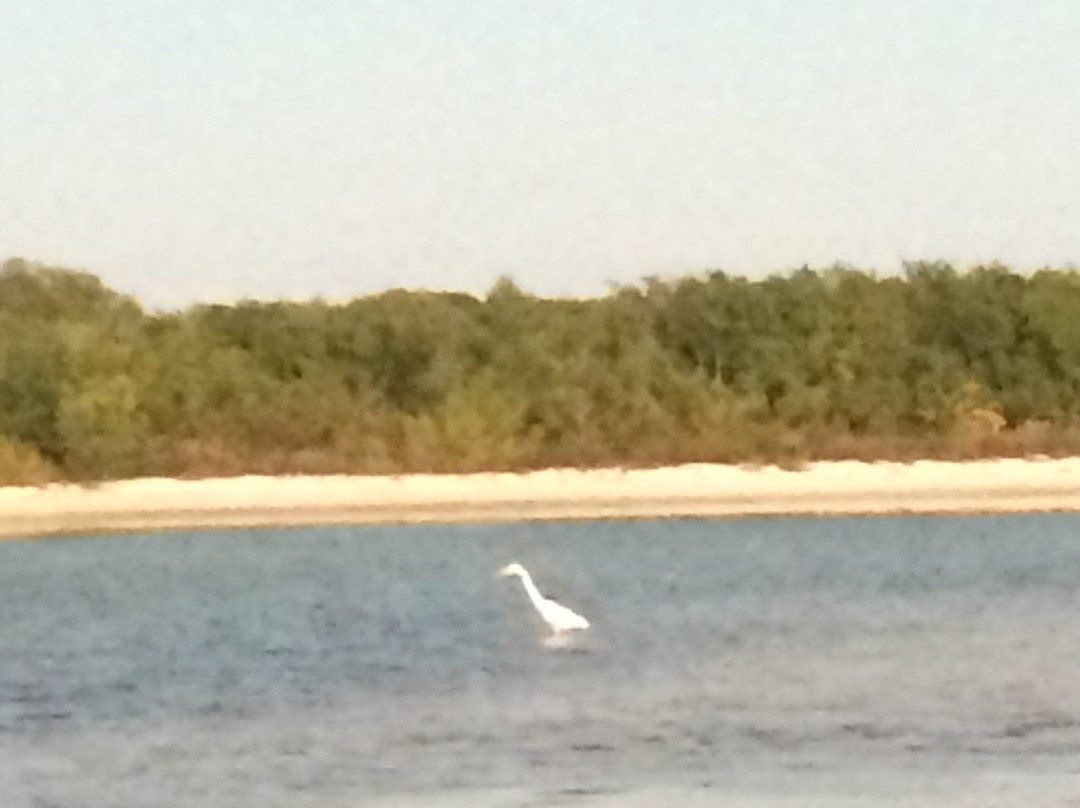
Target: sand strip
998, 486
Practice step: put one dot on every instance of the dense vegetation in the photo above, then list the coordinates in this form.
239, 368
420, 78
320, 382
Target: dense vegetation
831, 364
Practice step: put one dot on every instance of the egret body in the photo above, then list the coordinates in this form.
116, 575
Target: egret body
557, 616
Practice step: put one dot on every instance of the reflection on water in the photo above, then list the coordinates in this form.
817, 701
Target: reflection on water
564, 642
795, 662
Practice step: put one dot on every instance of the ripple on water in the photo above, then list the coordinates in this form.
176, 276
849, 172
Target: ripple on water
768, 662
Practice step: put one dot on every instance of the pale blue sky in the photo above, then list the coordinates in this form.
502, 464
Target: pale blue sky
213, 149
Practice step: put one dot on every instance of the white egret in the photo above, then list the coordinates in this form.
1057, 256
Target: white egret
554, 614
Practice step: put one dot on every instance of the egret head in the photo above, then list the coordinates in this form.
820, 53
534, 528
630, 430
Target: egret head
512, 569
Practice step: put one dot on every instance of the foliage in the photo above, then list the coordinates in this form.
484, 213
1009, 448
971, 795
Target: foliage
813, 364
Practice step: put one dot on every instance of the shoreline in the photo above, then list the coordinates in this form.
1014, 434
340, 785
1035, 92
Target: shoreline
690, 491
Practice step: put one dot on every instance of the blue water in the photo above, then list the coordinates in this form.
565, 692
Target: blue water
773, 662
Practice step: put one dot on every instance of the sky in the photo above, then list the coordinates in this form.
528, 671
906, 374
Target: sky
213, 150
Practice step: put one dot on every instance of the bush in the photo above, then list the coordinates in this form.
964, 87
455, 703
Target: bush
23, 465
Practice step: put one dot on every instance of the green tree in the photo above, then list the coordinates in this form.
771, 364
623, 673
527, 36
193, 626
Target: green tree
102, 429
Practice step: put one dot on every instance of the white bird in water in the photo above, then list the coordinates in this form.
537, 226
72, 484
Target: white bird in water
554, 614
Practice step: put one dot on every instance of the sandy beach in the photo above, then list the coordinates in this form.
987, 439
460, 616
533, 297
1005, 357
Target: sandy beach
997, 486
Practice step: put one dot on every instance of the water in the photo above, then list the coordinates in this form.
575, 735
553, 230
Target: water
786, 662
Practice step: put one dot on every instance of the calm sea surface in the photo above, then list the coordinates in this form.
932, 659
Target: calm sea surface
774, 662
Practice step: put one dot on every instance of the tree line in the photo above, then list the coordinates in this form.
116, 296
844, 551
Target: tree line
828, 364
